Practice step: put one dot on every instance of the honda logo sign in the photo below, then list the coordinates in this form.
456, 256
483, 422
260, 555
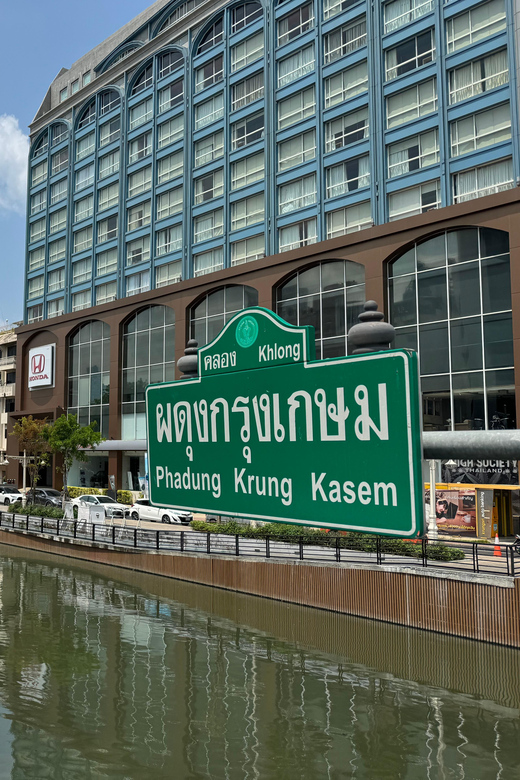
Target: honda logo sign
41, 367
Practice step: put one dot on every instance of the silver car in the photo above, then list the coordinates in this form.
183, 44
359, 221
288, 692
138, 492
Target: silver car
143, 510
9, 495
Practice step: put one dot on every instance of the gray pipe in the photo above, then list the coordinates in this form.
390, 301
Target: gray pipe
459, 445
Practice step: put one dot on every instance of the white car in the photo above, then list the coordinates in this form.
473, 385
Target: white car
112, 508
9, 495
143, 510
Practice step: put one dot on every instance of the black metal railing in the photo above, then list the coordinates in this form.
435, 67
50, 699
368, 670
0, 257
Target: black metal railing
480, 558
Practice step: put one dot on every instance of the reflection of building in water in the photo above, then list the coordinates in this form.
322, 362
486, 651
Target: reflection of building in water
104, 680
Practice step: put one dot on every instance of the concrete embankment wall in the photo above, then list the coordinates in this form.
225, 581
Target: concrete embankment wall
455, 603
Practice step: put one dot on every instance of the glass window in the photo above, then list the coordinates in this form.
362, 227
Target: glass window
210, 73
414, 200
106, 293
55, 307
212, 37
108, 101
138, 250
412, 103
38, 201
170, 131
484, 180
247, 250
89, 377
248, 51
247, 131
140, 147
328, 296
208, 226
171, 96
414, 153
59, 161
83, 239
296, 23
297, 107
245, 14
139, 216
297, 150
59, 133
297, 194
401, 12
209, 149
108, 196
148, 357
141, 113
84, 177
247, 171
410, 55
87, 78
37, 258
59, 191
58, 221
37, 230
169, 273
57, 250
56, 280
299, 234
348, 176
38, 173
168, 240
35, 286
138, 283
109, 164
75, 86
63, 94
247, 91
480, 130
140, 181
170, 167
209, 111
42, 146
209, 315
81, 300
106, 262
349, 219
296, 65
110, 131
247, 212
346, 130
144, 80
478, 76
107, 229
169, 62
83, 208
35, 313
88, 115
207, 262
475, 24
209, 186
82, 271
170, 203
346, 84
345, 40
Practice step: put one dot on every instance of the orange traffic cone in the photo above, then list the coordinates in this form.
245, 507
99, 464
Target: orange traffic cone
497, 551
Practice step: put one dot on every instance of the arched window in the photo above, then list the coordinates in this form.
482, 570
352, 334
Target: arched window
208, 316
41, 145
212, 37
89, 374
169, 61
108, 101
329, 296
144, 80
245, 14
148, 358
59, 133
450, 299
88, 115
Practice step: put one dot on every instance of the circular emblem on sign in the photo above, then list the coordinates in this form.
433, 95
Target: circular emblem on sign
247, 331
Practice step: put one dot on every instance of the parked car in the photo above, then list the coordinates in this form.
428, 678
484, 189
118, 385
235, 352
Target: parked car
46, 497
112, 508
143, 510
9, 495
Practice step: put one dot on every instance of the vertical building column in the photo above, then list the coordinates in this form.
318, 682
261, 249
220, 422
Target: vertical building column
514, 251
114, 404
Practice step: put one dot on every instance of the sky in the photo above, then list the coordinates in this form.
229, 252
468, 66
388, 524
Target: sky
38, 40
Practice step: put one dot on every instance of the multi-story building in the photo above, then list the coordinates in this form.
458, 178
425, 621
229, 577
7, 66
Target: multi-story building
302, 156
7, 389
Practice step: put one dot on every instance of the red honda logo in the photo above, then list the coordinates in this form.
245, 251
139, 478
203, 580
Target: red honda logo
37, 364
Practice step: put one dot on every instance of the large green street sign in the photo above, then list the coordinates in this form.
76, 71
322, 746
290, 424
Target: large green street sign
267, 432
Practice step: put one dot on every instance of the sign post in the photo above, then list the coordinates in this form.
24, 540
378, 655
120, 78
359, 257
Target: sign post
268, 433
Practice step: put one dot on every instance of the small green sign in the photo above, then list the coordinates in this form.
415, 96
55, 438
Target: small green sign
269, 433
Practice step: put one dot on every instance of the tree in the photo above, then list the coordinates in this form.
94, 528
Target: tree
66, 437
30, 433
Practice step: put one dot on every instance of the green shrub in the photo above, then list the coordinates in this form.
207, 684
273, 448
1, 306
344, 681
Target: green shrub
75, 492
37, 511
125, 497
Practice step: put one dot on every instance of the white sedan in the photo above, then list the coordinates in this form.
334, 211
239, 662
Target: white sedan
112, 508
9, 495
143, 510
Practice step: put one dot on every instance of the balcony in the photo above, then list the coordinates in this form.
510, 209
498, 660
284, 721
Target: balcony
7, 391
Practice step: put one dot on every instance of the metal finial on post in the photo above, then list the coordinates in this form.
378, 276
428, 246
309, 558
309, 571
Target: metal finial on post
372, 333
188, 364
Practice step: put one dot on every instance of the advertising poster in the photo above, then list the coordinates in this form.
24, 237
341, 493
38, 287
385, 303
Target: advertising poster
455, 510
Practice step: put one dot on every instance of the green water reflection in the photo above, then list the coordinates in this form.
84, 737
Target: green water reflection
107, 674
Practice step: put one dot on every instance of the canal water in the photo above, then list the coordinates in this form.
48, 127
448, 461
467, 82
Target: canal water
108, 674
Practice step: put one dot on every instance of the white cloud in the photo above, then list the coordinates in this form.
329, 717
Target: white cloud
14, 149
